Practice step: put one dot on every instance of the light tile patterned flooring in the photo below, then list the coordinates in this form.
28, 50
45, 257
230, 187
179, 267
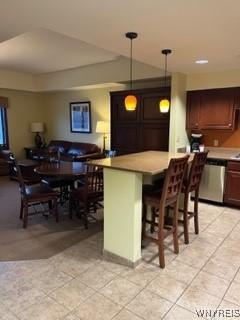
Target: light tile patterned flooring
78, 284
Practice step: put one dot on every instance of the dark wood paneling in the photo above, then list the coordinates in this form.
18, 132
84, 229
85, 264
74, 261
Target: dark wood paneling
150, 108
125, 136
119, 112
154, 137
143, 129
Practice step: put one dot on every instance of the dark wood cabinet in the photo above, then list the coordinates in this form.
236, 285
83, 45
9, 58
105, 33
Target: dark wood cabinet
232, 184
144, 129
212, 109
193, 109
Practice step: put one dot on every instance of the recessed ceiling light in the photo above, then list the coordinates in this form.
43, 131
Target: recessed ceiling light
202, 61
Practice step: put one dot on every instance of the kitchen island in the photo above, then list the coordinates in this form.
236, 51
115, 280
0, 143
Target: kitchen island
123, 179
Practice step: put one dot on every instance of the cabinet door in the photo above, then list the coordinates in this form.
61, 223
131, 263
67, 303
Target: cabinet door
150, 108
154, 137
232, 188
193, 109
217, 109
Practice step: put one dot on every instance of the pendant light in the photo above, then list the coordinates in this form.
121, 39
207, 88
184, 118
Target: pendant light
164, 104
131, 100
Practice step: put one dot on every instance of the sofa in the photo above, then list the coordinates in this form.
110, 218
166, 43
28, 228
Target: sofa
67, 151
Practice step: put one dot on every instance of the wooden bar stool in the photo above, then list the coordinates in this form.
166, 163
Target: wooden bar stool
159, 200
191, 184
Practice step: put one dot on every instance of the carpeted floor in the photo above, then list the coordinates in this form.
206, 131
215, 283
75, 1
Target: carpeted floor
43, 237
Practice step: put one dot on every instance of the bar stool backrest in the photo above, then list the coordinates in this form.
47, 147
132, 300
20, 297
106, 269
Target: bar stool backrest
196, 170
173, 181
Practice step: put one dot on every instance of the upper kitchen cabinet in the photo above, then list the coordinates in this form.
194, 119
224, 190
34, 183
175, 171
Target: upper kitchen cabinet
193, 109
212, 109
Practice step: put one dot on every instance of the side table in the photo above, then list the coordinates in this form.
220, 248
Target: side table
29, 151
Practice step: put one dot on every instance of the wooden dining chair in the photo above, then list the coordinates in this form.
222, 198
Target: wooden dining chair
62, 183
159, 201
88, 197
191, 184
34, 195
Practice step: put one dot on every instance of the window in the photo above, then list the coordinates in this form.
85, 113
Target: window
3, 128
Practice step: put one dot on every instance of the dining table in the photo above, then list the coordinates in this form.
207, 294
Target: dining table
123, 180
62, 169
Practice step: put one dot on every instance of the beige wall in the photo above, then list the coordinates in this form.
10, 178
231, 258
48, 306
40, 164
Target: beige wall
108, 72
177, 133
24, 108
223, 79
53, 109
17, 80
58, 115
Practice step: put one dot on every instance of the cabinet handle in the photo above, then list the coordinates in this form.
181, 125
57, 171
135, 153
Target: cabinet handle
229, 124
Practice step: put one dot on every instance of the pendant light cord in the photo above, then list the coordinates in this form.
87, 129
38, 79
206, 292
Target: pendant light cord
165, 71
131, 52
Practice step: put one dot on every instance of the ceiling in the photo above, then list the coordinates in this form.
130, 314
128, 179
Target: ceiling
50, 35
43, 50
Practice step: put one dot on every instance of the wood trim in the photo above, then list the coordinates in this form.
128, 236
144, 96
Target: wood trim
163, 90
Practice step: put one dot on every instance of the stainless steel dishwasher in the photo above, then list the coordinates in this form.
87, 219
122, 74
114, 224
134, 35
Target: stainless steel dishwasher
212, 183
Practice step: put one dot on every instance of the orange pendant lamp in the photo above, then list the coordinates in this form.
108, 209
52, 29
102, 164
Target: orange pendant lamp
164, 104
131, 100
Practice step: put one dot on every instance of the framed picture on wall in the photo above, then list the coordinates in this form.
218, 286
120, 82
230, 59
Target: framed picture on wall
80, 117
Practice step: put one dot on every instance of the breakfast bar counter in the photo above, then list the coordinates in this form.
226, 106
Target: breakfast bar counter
123, 179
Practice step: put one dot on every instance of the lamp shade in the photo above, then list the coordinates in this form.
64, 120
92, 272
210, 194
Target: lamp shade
130, 103
164, 105
37, 127
103, 127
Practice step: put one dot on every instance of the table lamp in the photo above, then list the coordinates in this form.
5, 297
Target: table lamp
103, 127
37, 127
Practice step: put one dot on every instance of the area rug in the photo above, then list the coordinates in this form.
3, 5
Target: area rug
43, 237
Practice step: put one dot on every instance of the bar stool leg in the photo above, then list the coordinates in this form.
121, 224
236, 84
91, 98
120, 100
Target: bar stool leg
153, 215
185, 218
175, 230
161, 239
196, 226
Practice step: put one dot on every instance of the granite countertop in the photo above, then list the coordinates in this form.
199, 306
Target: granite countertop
223, 153
148, 162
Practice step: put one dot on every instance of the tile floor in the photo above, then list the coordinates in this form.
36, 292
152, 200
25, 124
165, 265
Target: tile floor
78, 284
